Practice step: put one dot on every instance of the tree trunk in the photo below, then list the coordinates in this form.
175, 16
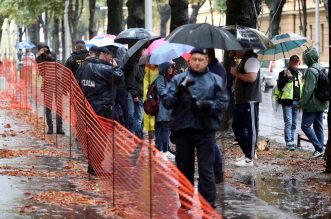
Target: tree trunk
326, 6
91, 29
328, 145
136, 13
179, 13
195, 12
304, 17
75, 12
33, 33
115, 16
276, 9
164, 11
240, 12
56, 36
67, 36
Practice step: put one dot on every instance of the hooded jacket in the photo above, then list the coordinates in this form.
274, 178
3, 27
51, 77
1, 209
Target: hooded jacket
309, 101
75, 60
161, 83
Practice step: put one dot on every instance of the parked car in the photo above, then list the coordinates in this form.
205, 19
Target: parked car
269, 72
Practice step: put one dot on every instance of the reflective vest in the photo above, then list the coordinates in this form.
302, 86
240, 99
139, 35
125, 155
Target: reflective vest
287, 92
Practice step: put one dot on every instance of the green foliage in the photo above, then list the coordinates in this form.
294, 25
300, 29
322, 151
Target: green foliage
27, 12
220, 6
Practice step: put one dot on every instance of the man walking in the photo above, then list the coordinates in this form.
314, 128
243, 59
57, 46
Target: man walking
312, 107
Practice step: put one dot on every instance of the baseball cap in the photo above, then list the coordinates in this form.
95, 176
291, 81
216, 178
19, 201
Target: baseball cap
94, 49
79, 42
199, 50
294, 58
104, 50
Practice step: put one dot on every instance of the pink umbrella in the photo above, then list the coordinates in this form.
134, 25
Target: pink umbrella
144, 59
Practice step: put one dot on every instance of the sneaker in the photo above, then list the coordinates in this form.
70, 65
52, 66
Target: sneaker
317, 154
291, 147
244, 163
170, 155
240, 158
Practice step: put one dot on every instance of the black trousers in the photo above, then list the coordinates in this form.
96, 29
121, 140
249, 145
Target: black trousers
204, 142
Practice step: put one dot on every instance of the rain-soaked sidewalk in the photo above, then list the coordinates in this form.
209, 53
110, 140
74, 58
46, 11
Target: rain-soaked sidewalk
38, 180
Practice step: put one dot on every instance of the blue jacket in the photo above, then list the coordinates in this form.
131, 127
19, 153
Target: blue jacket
161, 83
208, 86
98, 80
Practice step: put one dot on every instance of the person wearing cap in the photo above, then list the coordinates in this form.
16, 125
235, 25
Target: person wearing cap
77, 57
197, 99
45, 55
247, 96
288, 94
92, 51
98, 78
312, 107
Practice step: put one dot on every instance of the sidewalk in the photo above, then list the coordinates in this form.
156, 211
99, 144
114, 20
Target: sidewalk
38, 179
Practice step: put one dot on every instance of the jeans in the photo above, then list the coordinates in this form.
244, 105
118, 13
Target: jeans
218, 166
245, 127
122, 102
162, 134
290, 121
135, 115
204, 142
315, 135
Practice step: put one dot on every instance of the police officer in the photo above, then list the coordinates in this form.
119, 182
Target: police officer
196, 98
77, 57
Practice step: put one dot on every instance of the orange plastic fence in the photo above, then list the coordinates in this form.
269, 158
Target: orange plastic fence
133, 174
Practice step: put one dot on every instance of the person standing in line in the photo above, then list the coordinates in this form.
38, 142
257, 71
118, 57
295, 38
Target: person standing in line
162, 131
77, 57
48, 86
247, 94
196, 98
288, 94
312, 107
216, 67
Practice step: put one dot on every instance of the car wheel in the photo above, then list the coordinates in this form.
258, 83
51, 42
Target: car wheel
263, 85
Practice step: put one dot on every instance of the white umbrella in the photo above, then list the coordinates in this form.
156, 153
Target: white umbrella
4, 50
13, 39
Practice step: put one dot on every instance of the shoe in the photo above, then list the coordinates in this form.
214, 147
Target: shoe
50, 130
244, 163
219, 179
317, 154
90, 170
240, 158
170, 156
291, 147
59, 130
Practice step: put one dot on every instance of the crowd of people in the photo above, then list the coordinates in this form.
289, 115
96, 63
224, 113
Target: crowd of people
193, 102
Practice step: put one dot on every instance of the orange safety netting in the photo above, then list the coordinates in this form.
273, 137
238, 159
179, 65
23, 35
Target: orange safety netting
132, 173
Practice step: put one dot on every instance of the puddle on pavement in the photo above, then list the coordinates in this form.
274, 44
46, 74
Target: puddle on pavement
271, 197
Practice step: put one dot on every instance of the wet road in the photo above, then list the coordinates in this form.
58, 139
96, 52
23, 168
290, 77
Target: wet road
271, 123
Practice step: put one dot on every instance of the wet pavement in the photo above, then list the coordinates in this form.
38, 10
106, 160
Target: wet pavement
263, 193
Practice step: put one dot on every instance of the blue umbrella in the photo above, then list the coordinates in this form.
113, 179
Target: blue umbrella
286, 45
167, 52
25, 45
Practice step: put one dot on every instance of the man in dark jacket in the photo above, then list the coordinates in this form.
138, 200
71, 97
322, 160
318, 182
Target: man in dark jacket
48, 85
77, 57
196, 98
98, 79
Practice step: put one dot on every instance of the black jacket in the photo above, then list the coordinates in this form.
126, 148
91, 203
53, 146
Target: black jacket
134, 79
98, 80
75, 60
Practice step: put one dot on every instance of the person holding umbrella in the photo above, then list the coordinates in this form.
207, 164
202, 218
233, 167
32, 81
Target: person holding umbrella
196, 98
247, 95
288, 94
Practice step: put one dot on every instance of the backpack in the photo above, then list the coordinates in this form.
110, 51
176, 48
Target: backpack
152, 102
322, 90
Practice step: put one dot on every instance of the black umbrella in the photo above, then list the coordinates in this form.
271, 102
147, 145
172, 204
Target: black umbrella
132, 35
204, 36
133, 50
250, 38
